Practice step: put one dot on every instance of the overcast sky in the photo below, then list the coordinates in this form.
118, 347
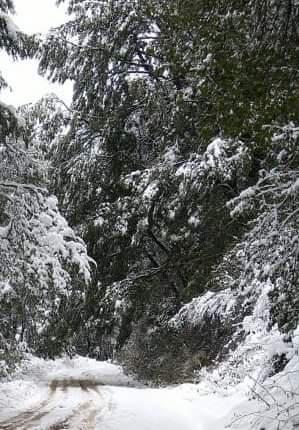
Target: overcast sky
32, 16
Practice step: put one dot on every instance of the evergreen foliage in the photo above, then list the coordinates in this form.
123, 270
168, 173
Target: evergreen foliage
179, 168
44, 266
177, 162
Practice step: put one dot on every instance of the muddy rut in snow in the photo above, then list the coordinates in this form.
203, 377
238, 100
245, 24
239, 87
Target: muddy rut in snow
72, 404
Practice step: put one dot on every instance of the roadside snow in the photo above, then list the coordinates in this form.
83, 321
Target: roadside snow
19, 395
44, 371
98, 372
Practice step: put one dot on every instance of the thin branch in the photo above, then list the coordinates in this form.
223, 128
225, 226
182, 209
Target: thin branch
289, 217
20, 185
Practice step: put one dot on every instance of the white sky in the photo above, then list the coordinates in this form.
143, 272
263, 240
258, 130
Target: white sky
32, 16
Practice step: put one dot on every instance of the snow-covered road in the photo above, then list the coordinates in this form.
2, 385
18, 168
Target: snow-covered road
83, 394
68, 405
86, 395
79, 404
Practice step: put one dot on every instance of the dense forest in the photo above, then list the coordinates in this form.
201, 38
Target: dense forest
155, 220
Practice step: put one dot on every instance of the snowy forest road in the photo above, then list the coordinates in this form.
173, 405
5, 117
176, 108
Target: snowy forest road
71, 404
84, 394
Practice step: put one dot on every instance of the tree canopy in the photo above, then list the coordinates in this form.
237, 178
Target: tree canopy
177, 163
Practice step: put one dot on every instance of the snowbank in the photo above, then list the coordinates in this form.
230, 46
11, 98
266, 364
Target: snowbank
79, 368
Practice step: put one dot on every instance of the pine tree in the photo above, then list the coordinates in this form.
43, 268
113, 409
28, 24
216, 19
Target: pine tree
44, 266
173, 117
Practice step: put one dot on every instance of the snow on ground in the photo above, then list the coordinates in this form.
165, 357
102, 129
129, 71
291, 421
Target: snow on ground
19, 395
31, 385
99, 372
85, 394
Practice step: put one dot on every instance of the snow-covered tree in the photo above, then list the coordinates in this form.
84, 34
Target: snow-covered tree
44, 266
254, 293
45, 123
170, 167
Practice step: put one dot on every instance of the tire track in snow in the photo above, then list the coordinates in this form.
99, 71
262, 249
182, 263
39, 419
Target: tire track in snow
26, 417
88, 413
90, 406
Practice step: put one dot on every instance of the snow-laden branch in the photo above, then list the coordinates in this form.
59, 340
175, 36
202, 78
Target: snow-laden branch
29, 187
